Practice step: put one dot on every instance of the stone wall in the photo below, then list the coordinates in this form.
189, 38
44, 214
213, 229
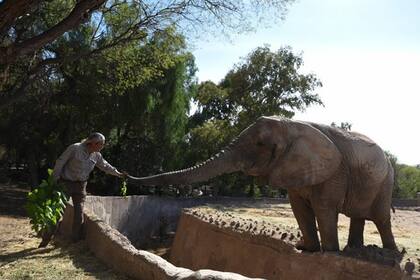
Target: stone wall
409, 202
140, 217
115, 250
220, 245
114, 224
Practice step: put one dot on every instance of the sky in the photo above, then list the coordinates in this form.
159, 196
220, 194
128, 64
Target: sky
365, 52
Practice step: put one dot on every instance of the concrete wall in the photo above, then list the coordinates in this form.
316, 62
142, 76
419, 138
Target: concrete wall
115, 250
140, 217
200, 244
114, 224
401, 202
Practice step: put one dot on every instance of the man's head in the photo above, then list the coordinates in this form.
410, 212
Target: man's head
95, 142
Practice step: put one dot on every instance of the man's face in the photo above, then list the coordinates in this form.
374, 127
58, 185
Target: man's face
98, 146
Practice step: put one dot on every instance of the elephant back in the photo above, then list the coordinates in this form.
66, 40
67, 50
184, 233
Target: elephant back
365, 159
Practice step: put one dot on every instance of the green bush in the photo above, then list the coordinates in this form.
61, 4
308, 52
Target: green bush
45, 205
408, 181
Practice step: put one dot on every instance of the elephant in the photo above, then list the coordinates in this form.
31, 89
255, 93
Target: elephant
326, 171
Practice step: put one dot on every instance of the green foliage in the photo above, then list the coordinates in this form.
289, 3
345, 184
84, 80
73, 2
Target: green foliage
137, 94
123, 189
253, 191
135, 83
45, 204
269, 83
264, 83
213, 102
408, 181
406, 178
207, 139
109, 24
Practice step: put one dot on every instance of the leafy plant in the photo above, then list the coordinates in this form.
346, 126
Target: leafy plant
45, 204
123, 189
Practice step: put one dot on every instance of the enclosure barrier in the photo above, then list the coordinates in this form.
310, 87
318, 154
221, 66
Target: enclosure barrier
114, 224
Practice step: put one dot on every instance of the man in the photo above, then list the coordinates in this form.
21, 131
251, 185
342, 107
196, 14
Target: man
72, 170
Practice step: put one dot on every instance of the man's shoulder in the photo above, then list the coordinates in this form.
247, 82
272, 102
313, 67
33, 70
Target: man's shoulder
76, 146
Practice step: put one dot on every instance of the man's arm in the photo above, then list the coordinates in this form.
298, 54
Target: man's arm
103, 165
61, 161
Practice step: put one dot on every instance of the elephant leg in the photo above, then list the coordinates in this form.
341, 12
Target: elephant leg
384, 228
306, 220
355, 239
327, 222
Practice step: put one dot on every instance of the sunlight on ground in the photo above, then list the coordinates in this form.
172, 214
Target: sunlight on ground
405, 225
21, 259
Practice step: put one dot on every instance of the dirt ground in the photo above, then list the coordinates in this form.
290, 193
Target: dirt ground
21, 259
405, 224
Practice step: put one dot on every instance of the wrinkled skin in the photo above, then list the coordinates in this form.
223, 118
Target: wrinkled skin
325, 170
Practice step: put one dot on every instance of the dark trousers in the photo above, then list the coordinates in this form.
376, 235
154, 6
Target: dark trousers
77, 192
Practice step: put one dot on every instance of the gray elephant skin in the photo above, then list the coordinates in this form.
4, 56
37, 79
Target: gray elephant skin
326, 171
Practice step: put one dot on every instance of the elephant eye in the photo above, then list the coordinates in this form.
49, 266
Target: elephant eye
259, 143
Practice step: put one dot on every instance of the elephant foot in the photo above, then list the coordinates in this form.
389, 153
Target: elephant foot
300, 245
391, 246
354, 245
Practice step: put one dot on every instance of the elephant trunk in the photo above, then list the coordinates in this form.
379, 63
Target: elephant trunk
221, 163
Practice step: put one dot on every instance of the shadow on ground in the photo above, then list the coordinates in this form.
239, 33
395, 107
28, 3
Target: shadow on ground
12, 200
20, 257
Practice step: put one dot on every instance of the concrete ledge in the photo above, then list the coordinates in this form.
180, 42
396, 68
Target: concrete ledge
114, 249
140, 217
113, 225
406, 202
200, 244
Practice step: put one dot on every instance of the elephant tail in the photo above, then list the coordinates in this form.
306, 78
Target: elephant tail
393, 209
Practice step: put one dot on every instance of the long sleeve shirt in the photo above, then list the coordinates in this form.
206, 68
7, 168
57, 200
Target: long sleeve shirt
76, 163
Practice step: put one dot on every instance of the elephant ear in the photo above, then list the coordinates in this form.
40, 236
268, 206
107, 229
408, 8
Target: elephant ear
310, 159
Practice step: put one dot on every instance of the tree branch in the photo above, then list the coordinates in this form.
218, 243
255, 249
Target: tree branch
10, 10
11, 96
80, 12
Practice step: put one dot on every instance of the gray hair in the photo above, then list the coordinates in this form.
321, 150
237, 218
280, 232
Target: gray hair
94, 137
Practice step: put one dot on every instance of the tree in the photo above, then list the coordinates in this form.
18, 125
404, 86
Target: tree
408, 181
406, 178
141, 101
264, 83
269, 83
29, 28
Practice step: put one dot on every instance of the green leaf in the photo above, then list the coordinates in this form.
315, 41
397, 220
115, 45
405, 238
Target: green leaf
45, 204
123, 189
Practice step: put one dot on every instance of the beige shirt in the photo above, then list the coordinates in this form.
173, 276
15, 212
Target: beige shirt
75, 164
